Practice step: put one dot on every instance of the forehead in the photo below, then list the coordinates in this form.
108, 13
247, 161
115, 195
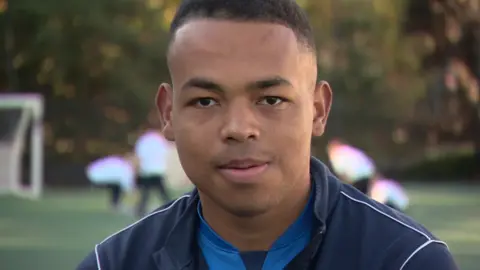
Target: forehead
215, 49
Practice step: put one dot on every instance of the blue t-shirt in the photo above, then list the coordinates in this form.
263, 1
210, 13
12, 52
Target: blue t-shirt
221, 255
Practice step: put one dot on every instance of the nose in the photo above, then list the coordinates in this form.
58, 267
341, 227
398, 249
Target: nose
240, 123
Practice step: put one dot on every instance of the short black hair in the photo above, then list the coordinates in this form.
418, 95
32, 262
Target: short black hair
285, 12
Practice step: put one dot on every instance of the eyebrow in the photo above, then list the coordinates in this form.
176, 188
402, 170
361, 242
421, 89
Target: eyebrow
210, 85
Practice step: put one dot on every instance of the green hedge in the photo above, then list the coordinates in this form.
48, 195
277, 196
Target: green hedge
449, 168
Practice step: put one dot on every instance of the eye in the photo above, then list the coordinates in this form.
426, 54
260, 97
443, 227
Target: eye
271, 101
204, 102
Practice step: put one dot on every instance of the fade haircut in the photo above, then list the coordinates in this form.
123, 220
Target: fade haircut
284, 12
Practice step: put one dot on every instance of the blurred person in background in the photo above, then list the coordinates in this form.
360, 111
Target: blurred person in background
116, 173
351, 165
389, 192
151, 150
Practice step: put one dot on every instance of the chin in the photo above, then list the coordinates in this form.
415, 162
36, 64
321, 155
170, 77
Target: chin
247, 210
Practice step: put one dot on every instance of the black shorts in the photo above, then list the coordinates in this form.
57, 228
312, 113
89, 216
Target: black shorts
149, 181
393, 206
363, 185
108, 186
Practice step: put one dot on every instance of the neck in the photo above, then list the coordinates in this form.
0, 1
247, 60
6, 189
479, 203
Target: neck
259, 232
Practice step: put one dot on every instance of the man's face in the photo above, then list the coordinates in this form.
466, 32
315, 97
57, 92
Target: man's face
242, 111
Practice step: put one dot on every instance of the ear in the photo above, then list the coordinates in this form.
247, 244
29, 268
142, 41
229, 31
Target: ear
322, 102
164, 102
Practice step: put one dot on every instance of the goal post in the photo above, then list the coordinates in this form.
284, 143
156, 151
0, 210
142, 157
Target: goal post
21, 126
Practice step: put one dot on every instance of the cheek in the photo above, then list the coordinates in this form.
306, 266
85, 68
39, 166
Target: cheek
293, 128
292, 139
191, 161
193, 150
293, 144
190, 147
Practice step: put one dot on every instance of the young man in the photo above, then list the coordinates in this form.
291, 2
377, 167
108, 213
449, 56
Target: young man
351, 165
151, 150
243, 108
116, 173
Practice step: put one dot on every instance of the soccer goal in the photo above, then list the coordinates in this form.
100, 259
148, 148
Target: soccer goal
21, 145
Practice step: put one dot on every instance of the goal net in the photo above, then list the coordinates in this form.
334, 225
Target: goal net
21, 145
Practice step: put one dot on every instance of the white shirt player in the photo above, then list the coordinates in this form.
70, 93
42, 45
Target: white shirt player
112, 170
152, 151
391, 192
350, 162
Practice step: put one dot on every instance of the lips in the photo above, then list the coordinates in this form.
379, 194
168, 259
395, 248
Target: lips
242, 164
243, 171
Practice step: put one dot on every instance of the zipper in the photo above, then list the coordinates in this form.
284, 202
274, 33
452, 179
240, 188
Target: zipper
304, 259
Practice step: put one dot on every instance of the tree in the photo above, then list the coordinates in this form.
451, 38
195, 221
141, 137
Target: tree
97, 63
452, 29
372, 68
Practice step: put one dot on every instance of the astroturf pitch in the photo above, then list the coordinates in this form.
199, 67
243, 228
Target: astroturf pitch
56, 232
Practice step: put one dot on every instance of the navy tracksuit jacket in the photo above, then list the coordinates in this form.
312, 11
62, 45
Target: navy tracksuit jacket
352, 232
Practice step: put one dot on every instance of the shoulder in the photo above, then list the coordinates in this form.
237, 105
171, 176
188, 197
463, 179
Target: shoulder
164, 218
398, 240
432, 254
142, 237
378, 213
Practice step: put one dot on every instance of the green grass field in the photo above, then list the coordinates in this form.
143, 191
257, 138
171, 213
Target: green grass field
58, 231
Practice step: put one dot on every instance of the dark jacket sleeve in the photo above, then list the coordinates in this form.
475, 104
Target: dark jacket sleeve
89, 263
433, 255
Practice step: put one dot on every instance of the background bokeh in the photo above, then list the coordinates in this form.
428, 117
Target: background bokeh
405, 75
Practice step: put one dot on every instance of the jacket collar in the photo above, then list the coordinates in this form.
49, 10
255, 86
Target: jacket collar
175, 255
327, 190
180, 248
